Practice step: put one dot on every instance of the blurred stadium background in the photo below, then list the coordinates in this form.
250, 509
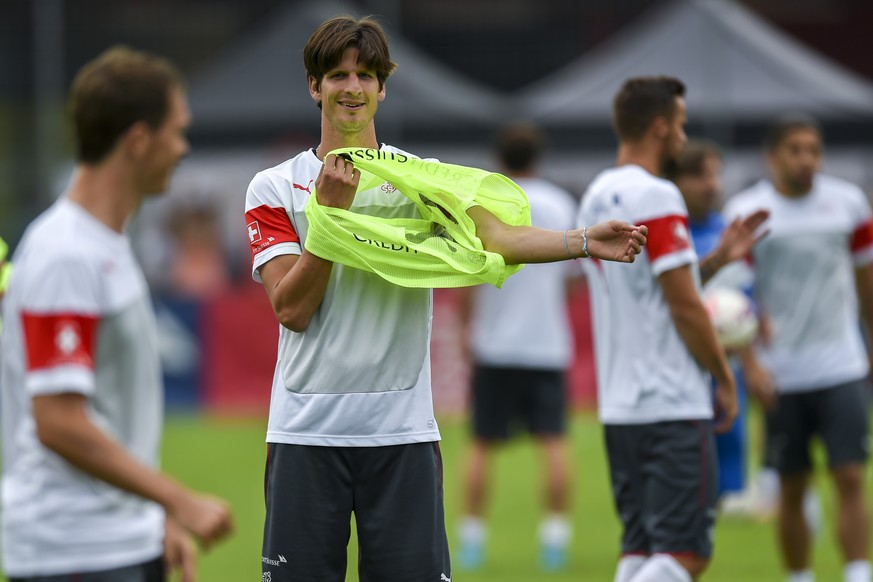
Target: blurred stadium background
465, 68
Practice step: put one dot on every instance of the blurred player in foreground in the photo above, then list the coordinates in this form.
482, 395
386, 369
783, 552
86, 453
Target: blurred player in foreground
814, 279
520, 361
653, 340
82, 404
351, 426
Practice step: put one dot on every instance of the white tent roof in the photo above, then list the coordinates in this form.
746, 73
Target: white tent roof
262, 81
734, 65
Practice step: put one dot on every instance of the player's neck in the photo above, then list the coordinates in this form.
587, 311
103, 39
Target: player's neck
786, 190
332, 139
105, 193
639, 155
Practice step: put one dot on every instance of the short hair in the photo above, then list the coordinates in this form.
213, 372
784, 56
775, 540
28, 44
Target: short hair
324, 49
690, 161
640, 100
785, 124
519, 146
119, 88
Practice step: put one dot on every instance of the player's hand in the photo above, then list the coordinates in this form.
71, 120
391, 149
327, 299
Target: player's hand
337, 182
742, 235
207, 518
616, 240
179, 552
726, 406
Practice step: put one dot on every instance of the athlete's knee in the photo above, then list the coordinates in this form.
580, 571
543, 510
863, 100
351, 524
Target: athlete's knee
693, 564
849, 480
792, 489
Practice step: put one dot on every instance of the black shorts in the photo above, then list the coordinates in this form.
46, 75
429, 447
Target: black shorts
508, 400
395, 492
665, 485
147, 572
838, 415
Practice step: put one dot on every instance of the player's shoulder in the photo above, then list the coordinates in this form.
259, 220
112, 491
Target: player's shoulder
751, 198
64, 237
633, 181
304, 163
833, 186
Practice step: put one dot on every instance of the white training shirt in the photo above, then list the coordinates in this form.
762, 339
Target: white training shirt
360, 373
524, 324
645, 373
805, 281
78, 319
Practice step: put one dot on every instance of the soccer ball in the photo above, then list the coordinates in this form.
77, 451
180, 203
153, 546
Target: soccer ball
733, 317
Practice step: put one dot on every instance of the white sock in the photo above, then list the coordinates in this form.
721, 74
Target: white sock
628, 566
662, 568
801, 576
555, 531
857, 571
472, 530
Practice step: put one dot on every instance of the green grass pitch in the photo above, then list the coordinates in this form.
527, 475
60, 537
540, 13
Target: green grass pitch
226, 457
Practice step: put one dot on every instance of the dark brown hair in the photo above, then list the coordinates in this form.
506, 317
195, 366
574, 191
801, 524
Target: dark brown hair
640, 100
519, 146
690, 161
324, 49
784, 125
119, 88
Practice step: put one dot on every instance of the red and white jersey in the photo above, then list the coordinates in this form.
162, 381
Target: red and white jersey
78, 319
805, 281
360, 373
524, 323
645, 373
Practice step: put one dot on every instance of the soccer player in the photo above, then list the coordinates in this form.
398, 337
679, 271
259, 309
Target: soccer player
697, 174
519, 361
812, 274
653, 342
351, 425
82, 399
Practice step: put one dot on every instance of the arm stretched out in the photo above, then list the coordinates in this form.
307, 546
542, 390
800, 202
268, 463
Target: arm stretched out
613, 240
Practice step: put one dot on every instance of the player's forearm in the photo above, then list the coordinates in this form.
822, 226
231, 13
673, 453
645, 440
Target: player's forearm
711, 264
79, 442
694, 327
298, 294
525, 244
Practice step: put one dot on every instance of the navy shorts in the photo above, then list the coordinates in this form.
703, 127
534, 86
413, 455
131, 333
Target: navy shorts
147, 572
395, 492
838, 415
511, 400
665, 485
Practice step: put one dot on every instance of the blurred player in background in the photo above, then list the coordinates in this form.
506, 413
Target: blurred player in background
82, 404
697, 174
812, 274
653, 340
520, 343
351, 425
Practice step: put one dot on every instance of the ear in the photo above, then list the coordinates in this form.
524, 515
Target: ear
381, 95
314, 89
136, 140
660, 128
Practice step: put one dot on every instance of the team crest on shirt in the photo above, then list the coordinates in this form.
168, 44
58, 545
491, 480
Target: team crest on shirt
680, 233
68, 337
254, 229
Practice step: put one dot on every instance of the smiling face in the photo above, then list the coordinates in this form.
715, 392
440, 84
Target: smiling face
349, 95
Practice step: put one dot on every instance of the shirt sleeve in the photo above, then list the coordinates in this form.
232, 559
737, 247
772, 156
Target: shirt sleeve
268, 226
60, 319
669, 241
861, 240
